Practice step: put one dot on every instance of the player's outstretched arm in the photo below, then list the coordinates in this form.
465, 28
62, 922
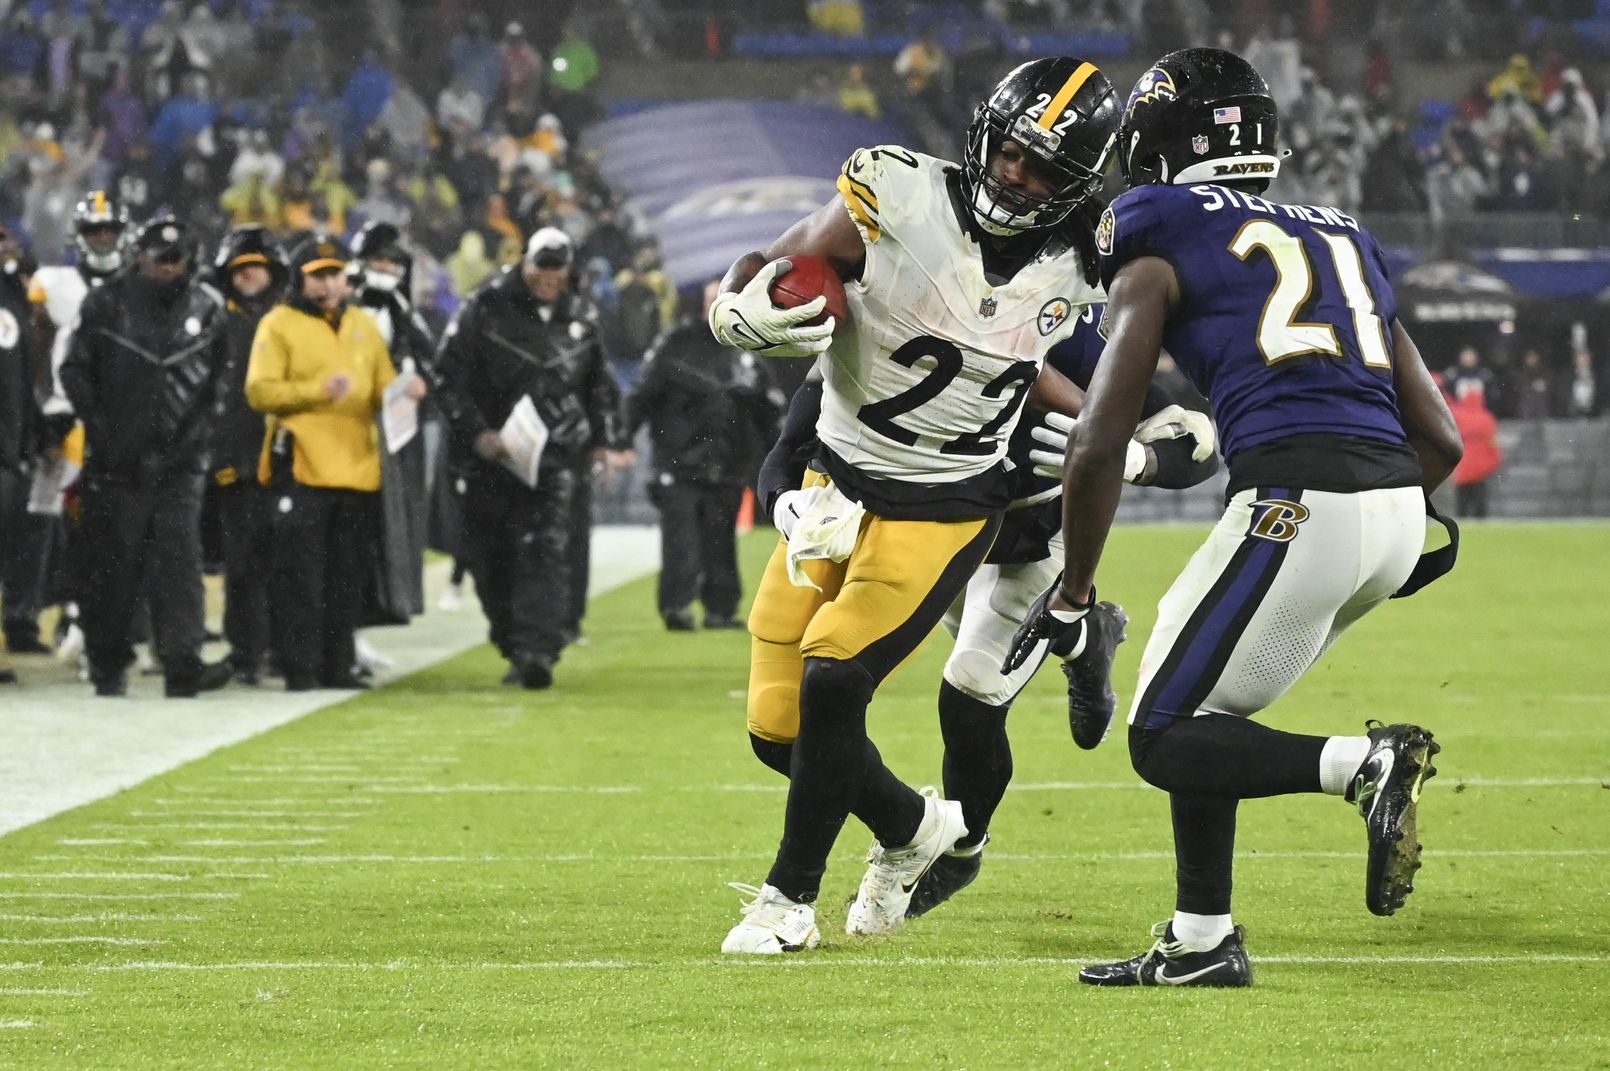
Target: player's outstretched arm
1138, 303
1426, 417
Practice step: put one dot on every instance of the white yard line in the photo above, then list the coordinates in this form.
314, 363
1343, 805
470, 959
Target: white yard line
20, 991
16, 1024
52, 894
780, 787
85, 939
828, 960
61, 748
105, 916
1245, 855
277, 827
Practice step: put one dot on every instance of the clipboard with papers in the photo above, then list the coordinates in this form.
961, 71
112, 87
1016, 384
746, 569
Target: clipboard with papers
399, 412
524, 436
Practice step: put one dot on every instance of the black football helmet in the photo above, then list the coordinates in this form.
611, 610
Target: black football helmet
100, 233
1064, 114
1199, 115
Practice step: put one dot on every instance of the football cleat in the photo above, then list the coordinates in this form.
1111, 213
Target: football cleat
772, 924
1091, 699
892, 874
949, 875
1169, 962
1386, 791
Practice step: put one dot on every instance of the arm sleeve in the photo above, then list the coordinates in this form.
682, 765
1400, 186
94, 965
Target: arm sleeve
452, 369
269, 388
77, 371
784, 466
645, 397
1171, 466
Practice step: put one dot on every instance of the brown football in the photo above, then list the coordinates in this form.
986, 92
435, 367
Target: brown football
810, 278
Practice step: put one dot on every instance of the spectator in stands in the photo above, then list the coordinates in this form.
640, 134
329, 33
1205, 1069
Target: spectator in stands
1278, 56
1454, 185
855, 95
843, 18
1584, 387
1478, 430
1394, 180
1536, 388
459, 100
473, 57
469, 266
518, 65
1468, 376
1518, 77
1523, 185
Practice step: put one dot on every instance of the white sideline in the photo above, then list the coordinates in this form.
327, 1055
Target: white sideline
61, 748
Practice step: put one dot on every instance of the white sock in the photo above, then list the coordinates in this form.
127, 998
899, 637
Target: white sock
1339, 760
1201, 933
963, 853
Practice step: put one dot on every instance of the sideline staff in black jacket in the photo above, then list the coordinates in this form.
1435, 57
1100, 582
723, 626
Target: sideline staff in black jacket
251, 272
713, 412
526, 332
142, 374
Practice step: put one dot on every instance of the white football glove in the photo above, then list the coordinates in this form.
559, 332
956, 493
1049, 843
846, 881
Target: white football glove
1176, 421
817, 522
748, 319
1054, 434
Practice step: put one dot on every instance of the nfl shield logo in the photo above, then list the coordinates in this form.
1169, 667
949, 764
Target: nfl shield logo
1199, 144
986, 308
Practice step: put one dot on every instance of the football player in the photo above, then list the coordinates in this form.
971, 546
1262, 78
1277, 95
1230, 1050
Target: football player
1173, 447
960, 279
1334, 434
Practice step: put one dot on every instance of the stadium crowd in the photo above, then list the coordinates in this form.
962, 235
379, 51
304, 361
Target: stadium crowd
220, 116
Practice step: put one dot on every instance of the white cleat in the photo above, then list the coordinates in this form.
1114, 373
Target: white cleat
892, 873
773, 924
370, 658
451, 599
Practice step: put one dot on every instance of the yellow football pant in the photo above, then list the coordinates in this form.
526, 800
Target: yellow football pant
874, 609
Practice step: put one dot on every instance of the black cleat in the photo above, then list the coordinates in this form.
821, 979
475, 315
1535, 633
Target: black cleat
536, 673
679, 620
1091, 700
1386, 790
949, 875
1168, 962
27, 645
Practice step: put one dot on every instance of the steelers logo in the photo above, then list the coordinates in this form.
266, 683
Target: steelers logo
1104, 233
1053, 314
10, 330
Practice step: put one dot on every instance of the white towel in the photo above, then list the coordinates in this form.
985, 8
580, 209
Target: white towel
826, 525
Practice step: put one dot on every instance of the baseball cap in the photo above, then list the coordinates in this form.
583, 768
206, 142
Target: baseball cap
322, 253
165, 238
549, 248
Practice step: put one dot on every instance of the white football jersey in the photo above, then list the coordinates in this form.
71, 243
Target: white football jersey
925, 381
62, 290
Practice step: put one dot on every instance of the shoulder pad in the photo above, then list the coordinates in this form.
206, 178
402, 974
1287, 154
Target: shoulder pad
872, 174
1135, 225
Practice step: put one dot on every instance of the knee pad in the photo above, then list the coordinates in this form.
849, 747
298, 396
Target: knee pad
834, 689
774, 680
779, 757
977, 674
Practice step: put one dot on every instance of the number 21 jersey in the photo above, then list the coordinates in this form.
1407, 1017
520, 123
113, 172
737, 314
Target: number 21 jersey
1285, 315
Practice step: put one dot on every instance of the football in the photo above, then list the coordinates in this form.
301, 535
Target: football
810, 278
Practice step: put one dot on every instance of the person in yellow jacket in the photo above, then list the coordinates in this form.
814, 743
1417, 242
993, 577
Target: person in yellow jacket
319, 369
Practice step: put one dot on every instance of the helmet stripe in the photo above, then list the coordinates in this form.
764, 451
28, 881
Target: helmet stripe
100, 202
1059, 103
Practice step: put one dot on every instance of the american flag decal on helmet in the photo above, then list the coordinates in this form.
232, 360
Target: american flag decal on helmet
1227, 115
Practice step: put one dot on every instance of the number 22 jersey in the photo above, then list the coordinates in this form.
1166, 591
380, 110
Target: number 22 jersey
1284, 323
925, 382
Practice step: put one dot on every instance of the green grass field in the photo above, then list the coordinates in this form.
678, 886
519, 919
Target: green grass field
451, 874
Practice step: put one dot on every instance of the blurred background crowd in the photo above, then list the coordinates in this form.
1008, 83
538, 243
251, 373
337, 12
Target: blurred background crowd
1468, 134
